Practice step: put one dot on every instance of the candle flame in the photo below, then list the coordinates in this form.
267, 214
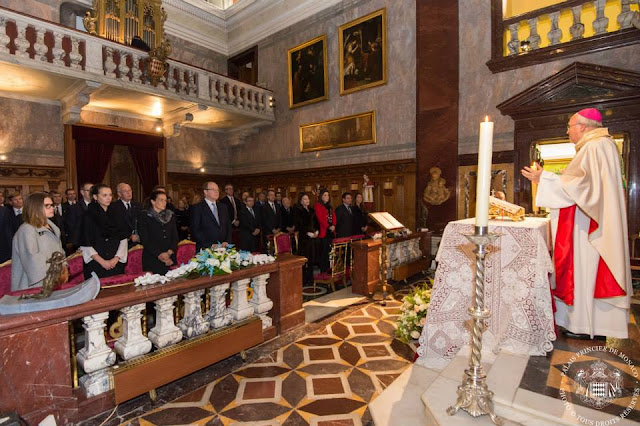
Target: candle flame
486, 118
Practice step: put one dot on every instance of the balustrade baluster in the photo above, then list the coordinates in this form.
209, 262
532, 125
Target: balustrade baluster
109, 65
165, 332
601, 22
21, 42
534, 38
75, 55
261, 303
219, 315
262, 104
39, 46
231, 94
136, 72
192, 324
192, 85
514, 43
182, 82
57, 51
240, 307
171, 80
4, 38
213, 89
96, 356
555, 34
132, 342
123, 68
577, 29
626, 16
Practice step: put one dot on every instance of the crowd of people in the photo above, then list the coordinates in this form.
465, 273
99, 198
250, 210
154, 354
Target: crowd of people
104, 228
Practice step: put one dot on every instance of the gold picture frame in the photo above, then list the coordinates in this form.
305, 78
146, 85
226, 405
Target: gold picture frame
365, 43
305, 63
352, 130
502, 178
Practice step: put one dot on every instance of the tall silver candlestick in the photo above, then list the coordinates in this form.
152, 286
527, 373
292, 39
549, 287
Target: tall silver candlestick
474, 396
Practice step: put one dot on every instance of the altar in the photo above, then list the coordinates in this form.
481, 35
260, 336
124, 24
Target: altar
517, 292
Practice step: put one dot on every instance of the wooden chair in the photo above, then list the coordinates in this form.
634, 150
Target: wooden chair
338, 267
282, 242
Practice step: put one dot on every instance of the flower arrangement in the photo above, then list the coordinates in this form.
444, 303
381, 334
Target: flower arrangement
414, 312
209, 261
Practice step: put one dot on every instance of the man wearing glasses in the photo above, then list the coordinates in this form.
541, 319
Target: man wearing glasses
210, 223
589, 222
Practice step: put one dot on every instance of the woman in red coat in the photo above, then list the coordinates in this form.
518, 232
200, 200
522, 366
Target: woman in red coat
326, 219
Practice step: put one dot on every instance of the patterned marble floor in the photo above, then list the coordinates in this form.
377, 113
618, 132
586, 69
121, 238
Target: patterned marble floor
326, 378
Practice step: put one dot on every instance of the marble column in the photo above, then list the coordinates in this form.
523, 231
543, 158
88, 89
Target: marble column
96, 356
192, 324
218, 316
261, 303
132, 342
165, 332
240, 307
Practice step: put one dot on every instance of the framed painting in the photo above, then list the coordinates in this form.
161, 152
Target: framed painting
308, 80
502, 177
358, 129
363, 52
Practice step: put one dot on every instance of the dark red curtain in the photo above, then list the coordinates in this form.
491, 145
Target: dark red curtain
92, 160
146, 162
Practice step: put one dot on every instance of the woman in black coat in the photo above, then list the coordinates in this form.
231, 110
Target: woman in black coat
104, 240
360, 213
306, 223
182, 220
158, 234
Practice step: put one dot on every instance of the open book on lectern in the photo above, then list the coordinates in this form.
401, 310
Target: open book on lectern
386, 221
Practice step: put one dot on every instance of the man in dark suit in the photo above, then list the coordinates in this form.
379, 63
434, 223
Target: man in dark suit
286, 216
5, 231
129, 210
249, 226
56, 198
210, 222
232, 203
73, 217
270, 215
70, 194
15, 212
345, 219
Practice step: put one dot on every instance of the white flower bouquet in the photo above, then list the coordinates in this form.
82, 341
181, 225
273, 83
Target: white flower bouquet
414, 313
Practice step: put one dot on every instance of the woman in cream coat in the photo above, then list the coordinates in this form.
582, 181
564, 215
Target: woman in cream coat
34, 243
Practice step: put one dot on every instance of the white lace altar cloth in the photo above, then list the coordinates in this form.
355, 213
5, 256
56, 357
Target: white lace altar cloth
517, 292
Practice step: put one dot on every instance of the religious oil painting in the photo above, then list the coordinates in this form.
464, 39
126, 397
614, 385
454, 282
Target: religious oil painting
308, 80
359, 129
363, 52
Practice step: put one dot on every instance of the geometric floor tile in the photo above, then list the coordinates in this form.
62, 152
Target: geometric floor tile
326, 378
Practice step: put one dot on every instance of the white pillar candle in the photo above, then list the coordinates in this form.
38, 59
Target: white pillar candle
485, 150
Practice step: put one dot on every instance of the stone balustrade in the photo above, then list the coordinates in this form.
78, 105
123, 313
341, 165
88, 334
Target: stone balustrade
626, 19
189, 327
43, 45
96, 358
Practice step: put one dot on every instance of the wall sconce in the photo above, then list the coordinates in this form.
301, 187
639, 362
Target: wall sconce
158, 126
3, 157
354, 186
335, 187
202, 170
525, 46
272, 102
293, 189
308, 188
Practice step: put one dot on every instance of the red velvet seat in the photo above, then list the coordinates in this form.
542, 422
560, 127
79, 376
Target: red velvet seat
75, 264
5, 278
134, 261
185, 252
282, 242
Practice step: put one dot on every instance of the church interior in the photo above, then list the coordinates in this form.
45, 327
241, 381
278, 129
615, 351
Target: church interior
397, 109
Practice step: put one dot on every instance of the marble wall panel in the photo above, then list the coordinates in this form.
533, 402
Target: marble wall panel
193, 149
278, 147
44, 9
481, 91
31, 133
190, 53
